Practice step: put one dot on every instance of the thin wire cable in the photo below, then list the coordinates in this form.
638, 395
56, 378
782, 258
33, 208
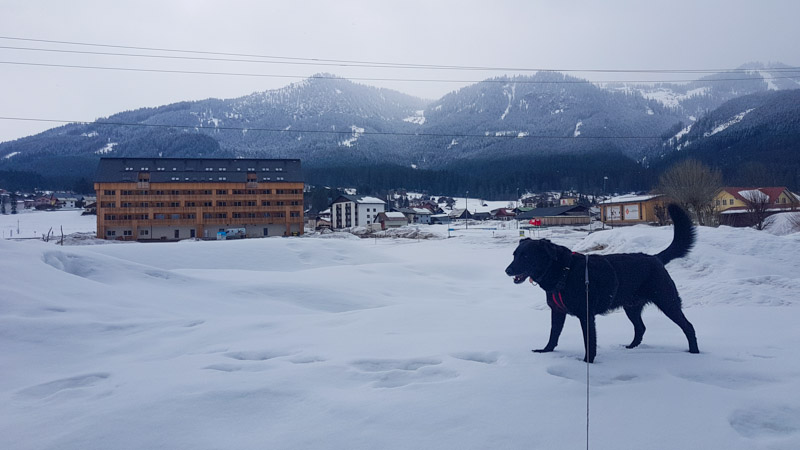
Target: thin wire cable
302, 77
393, 64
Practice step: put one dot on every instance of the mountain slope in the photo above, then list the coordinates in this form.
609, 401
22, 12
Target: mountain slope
542, 114
489, 128
754, 139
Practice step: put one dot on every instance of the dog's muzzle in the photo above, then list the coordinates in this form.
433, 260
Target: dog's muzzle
518, 277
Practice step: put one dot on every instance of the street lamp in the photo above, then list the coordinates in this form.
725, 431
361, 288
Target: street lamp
604, 184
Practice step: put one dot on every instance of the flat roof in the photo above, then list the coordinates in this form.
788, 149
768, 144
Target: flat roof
197, 170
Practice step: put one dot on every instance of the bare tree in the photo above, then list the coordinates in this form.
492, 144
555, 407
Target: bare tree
694, 186
660, 211
757, 203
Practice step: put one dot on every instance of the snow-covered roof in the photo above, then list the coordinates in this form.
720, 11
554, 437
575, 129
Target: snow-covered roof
395, 215
630, 198
364, 199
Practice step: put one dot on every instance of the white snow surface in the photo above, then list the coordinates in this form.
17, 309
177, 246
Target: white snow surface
578, 129
722, 127
418, 118
108, 148
357, 133
326, 343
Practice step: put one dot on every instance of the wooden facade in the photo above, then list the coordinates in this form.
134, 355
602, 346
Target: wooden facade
632, 209
143, 205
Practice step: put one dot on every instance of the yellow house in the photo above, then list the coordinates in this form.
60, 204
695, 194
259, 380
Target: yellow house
732, 204
632, 209
735, 197
568, 201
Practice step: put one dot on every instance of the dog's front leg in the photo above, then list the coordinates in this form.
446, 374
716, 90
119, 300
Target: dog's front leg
557, 319
590, 339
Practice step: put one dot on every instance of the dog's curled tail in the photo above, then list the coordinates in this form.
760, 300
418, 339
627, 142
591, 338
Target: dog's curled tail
683, 239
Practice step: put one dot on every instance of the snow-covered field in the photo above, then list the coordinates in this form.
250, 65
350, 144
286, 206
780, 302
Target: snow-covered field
335, 342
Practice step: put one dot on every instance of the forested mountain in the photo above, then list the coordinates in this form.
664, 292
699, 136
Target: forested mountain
754, 140
546, 130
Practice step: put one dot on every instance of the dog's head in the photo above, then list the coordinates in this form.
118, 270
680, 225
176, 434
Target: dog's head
532, 258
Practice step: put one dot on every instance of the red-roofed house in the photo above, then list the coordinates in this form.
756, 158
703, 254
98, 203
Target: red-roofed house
737, 205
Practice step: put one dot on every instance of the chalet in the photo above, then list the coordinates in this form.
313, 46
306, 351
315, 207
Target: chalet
66, 200
440, 219
739, 206
391, 219
568, 201
417, 215
503, 214
632, 209
460, 214
150, 199
349, 211
557, 216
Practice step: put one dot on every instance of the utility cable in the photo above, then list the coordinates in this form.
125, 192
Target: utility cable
301, 77
362, 63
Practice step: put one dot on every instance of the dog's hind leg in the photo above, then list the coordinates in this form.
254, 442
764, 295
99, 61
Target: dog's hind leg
672, 309
634, 313
589, 338
557, 319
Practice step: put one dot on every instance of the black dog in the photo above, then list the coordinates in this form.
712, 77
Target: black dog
627, 280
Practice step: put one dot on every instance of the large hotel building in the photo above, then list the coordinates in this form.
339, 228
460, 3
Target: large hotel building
166, 199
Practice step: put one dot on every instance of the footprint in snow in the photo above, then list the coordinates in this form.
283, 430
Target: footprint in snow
394, 373
64, 384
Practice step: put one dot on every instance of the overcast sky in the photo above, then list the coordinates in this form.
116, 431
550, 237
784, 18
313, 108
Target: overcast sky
551, 34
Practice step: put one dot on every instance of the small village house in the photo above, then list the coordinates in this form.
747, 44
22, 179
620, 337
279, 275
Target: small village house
737, 205
392, 219
632, 209
557, 216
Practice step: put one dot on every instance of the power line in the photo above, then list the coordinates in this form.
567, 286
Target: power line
491, 80
363, 63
